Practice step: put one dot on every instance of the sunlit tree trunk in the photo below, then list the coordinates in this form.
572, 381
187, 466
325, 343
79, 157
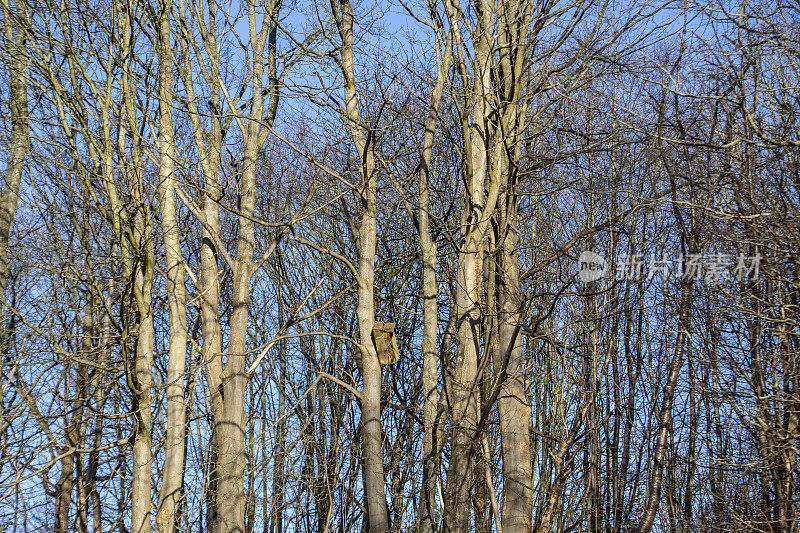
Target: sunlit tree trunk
208, 142
430, 293
167, 518
14, 27
135, 232
478, 210
230, 426
371, 433
513, 405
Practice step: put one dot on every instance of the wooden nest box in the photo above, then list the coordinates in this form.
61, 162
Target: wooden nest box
385, 343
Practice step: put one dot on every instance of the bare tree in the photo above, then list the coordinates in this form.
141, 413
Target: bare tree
167, 516
371, 434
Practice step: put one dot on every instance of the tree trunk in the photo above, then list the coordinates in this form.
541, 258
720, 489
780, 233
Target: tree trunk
16, 58
64, 494
477, 214
430, 293
371, 434
665, 414
279, 476
141, 496
513, 406
167, 518
66, 480
211, 330
230, 426
209, 147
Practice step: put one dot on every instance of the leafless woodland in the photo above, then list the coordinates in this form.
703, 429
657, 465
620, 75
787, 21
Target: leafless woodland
207, 206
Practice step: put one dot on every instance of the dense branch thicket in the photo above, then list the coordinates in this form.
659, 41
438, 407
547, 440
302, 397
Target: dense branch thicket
582, 220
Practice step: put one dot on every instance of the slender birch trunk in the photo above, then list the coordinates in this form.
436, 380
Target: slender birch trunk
665, 414
279, 476
690, 235
66, 480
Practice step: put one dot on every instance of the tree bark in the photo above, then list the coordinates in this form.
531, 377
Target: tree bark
16, 58
209, 147
665, 414
140, 266
167, 519
690, 235
230, 426
430, 293
477, 215
513, 405
371, 434
275, 515
141, 495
